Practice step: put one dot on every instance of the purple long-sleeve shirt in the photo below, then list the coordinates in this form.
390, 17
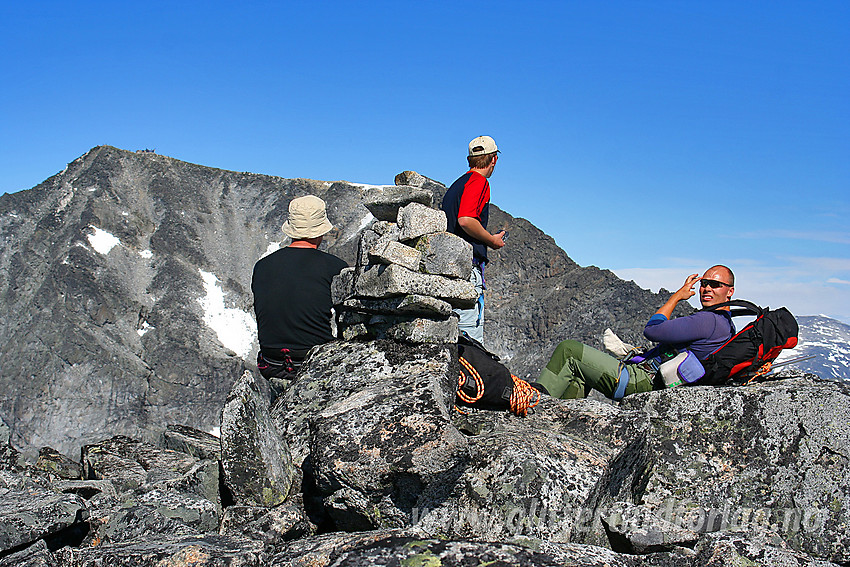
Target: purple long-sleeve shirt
701, 333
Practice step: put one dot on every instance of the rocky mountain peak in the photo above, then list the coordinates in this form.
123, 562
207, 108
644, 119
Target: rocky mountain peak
127, 336
127, 303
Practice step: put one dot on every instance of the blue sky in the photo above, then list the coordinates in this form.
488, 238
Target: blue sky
650, 138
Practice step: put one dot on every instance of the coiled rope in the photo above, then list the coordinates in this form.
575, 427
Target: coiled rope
523, 395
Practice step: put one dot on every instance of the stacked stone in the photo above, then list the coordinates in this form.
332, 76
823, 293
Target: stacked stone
410, 272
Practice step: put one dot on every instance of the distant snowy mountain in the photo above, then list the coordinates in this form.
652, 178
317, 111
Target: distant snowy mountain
829, 340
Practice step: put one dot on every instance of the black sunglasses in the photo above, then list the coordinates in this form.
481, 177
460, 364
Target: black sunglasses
713, 284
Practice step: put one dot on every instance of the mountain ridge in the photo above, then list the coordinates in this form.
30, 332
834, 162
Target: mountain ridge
97, 344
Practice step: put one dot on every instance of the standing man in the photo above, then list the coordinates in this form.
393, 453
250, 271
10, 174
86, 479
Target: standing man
467, 208
292, 292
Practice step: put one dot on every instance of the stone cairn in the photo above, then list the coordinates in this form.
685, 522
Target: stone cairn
410, 272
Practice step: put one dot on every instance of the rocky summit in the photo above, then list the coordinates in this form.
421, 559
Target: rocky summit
136, 431
365, 460
125, 282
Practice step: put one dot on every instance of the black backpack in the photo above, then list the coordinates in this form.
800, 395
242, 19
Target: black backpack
486, 383
750, 351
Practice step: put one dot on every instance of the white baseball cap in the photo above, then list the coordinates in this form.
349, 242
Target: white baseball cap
482, 145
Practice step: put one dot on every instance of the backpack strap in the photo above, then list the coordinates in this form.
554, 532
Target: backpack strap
746, 308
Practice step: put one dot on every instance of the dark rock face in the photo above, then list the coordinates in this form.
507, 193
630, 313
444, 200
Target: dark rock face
108, 326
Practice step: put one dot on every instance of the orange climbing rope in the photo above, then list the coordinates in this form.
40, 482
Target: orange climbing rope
523, 397
763, 369
479, 383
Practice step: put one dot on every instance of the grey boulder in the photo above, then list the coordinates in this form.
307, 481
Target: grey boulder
415, 220
191, 441
385, 202
773, 455
257, 463
26, 516
445, 254
387, 281
540, 477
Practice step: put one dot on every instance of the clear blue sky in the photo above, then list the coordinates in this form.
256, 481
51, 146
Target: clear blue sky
649, 138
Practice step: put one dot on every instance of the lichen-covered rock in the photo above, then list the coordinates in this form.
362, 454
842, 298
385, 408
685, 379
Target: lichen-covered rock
52, 461
410, 178
274, 526
368, 240
201, 480
324, 549
394, 550
379, 427
386, 229
405, 305
26, 516
87, 489
206, 550
386, 281
384, 202
138, 522
375, 452
130, 463
445, 254
733, 549
415, 220
633, 529
540, 477
336, 371
191, 441
342, 286
256, 460
425, 330
188, 509
773, 455
125, 474
390, 252
36, 555
433, 329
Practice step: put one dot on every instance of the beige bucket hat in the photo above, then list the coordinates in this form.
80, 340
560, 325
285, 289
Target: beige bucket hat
308, 218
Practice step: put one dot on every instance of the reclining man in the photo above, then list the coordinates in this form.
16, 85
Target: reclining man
575, 368
292, 292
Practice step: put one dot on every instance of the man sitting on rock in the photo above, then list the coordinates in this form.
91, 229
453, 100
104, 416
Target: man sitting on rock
575, 368
292, 291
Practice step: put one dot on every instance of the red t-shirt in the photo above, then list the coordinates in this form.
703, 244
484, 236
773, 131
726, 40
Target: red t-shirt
476, 194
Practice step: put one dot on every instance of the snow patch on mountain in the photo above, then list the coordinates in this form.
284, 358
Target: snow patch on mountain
102, 241
272, 248
234, 327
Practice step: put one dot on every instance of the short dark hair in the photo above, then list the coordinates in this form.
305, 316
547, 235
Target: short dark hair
480, 162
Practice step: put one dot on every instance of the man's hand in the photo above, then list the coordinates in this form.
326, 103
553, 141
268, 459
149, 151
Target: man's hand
498, 240
472, 226
687, 290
